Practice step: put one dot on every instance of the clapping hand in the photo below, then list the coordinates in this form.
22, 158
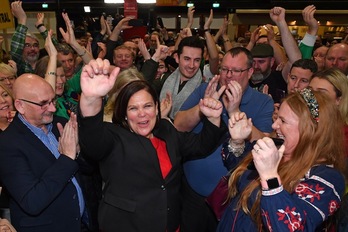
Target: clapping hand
239, 126
68, 140
232, 97
212, 91
166, 105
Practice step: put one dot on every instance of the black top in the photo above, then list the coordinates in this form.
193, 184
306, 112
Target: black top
277, 87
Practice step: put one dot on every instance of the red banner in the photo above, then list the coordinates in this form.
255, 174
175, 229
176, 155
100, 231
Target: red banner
131, 8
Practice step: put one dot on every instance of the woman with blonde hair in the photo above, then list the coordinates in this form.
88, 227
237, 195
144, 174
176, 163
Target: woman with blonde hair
126, 76
335, 84
298, 186
7, 110
7, 75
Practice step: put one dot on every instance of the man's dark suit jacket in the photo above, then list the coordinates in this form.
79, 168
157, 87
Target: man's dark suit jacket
136, 197
43, 198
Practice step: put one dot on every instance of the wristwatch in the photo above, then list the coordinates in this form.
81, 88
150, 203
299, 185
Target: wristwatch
272, 183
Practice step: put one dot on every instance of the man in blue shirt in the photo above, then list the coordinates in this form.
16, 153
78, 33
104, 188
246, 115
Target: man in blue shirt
36, 169
201, 176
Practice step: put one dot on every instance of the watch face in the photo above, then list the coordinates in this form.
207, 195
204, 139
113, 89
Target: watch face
273, 183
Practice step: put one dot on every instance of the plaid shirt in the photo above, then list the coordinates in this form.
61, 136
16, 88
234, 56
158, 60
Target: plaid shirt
17, 46
44, 35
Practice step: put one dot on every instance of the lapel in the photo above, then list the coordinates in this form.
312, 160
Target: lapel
149, 149
31, 138
170, 146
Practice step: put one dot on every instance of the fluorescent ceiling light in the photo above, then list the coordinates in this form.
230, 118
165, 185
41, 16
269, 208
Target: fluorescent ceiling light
44, 5
190, 4
146, 1
216, 5
87, 9
113, 1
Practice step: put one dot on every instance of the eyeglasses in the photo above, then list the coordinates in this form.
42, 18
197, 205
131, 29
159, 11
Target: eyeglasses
10, 78
34, 45
225, 71
43, 105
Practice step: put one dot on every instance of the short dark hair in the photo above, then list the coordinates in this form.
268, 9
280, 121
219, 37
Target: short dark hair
305, 64
191, 41
238, 50
122, 99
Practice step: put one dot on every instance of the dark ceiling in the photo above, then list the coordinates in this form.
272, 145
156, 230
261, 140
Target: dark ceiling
98, 6
149, 12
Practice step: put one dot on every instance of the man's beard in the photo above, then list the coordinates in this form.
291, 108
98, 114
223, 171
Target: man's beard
32, 58
259, 77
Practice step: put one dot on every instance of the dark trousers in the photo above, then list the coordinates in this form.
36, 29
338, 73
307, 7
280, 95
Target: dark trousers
196, 215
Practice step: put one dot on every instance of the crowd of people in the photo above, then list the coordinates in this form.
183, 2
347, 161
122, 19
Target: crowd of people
103, 133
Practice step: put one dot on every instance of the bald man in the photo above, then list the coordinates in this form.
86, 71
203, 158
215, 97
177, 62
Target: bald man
37, 170
337, 57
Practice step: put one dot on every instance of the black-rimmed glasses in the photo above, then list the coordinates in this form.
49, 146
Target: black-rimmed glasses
225, 71
43, 105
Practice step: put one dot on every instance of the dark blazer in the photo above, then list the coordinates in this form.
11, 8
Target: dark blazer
135, 195
43, 198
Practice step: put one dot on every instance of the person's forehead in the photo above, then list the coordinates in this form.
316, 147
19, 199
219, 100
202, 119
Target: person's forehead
191, 51
237, 59
130, 44
306, 73
30, 40
62, 57
321, 50
261, 58
123, 51
2, 74
338, 50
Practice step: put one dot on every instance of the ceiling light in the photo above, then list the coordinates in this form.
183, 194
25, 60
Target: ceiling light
190, 4
216, 5
87, 9
44, 5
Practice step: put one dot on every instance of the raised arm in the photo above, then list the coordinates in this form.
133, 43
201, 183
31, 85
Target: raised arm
279, 53
190, 13
69, 37
226, 40
18, 38
307, 43
211, 46
96, 82
51, 71
42, 28
277, 14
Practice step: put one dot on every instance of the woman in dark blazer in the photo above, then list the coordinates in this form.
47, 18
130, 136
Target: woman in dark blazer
140, 155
